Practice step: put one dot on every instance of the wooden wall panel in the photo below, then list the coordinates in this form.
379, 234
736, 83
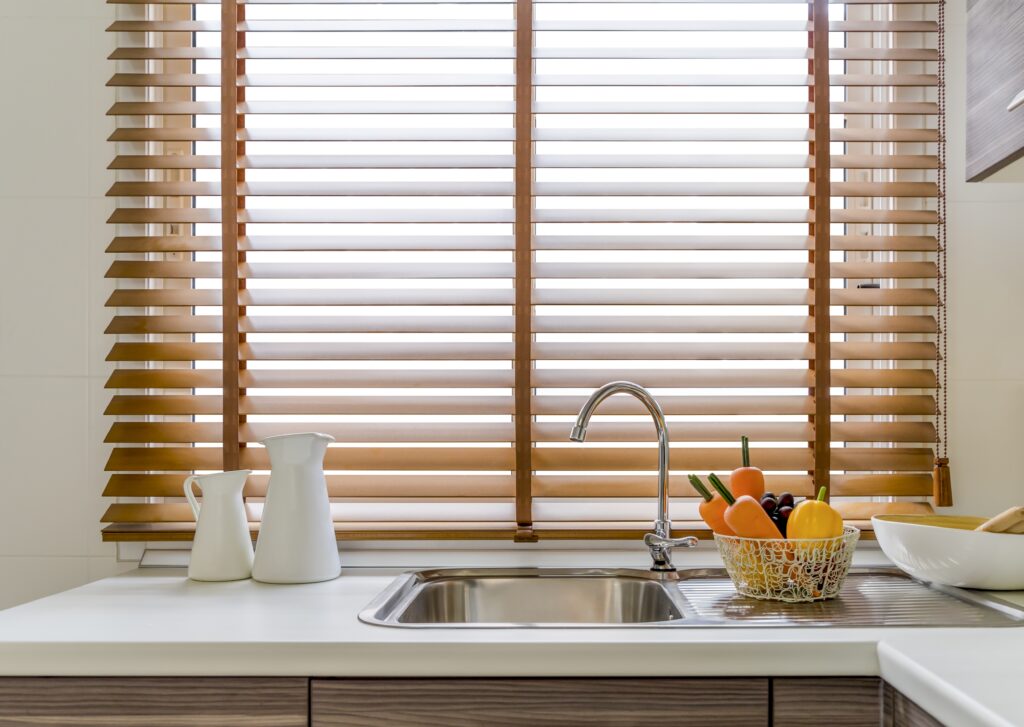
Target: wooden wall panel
995, 75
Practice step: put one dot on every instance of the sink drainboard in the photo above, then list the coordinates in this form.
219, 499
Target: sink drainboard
870, 597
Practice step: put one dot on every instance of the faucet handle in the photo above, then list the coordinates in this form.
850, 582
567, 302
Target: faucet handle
661, 549
653, 540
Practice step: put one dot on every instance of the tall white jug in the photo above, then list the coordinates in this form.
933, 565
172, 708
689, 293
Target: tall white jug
296, 543
222, 547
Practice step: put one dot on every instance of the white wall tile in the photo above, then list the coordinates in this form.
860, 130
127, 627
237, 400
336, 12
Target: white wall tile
47, 89
986, 298
106, 567
95, 478
44, 320
99, 286
45, 480
28, 578
52, 8
986, 430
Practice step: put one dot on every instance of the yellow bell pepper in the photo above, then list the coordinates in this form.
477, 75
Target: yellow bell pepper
814, 519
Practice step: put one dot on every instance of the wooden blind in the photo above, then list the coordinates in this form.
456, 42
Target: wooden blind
431, 229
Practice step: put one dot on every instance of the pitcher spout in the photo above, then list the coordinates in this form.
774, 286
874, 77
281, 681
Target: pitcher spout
300, 448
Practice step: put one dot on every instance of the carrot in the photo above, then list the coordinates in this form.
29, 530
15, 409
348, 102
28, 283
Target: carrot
747, 480
712, 510
745, 515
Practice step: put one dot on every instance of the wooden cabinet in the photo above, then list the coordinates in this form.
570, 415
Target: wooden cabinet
902, 712
836, 702
539, 702
300, 702
151, 702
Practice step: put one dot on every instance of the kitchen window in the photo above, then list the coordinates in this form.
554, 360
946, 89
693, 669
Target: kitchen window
431, 229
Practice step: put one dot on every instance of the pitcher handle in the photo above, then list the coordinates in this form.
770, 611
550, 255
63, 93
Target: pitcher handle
190, 496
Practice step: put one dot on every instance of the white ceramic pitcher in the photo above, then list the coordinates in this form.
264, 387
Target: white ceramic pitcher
296, 543
222, 548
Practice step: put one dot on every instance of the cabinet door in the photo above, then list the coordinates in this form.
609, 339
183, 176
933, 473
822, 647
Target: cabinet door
539, 702
836, 702
146, 702
902, 712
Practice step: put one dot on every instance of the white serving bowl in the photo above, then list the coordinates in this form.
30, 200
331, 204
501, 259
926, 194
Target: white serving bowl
947, 550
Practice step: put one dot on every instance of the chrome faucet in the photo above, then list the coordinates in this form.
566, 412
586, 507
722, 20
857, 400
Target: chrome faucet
660, 542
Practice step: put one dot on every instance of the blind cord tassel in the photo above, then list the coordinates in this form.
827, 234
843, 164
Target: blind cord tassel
942, 483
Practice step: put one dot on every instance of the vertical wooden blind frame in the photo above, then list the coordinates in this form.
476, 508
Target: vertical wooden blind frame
430, 229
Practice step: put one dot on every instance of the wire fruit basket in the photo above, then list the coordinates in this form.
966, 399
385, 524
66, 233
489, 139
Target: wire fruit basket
794, 571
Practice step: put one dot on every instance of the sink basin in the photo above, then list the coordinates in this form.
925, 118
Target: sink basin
691, 598
528, 597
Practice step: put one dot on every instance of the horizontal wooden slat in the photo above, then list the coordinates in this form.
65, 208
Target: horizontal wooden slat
377, 378
164, 216
730, 270
742, 405
599, 431
725, 378
405, 25
730, 161
164, 352
164, 243
728, 324
736, 351
377, 405
168, 133
712, 52
767, 296
505, 324
162, 269
173, 297
164, 404
164, 378
690, 432
574, 107
700, 459
164, 108
338, 486
731, 242
141, 459
183, 532
181, 432
730, 189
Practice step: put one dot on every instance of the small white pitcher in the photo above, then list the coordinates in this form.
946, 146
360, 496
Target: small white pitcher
222, 547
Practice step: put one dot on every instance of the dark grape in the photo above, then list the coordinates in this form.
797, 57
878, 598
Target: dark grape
769, 505
769, 495
786, 499
780, 523
784, 512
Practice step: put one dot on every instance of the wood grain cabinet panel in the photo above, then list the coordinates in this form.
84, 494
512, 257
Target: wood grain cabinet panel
539, 703
839, 702
152, 702
903, 712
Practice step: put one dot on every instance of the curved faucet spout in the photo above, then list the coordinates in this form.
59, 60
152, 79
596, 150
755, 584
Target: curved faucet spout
661, 543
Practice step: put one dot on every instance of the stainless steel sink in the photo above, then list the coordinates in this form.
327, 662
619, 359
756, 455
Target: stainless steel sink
694, 597
530, 597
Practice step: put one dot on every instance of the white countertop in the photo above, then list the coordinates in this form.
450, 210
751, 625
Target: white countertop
156, 622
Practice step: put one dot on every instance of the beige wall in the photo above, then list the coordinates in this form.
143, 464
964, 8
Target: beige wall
53, 177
